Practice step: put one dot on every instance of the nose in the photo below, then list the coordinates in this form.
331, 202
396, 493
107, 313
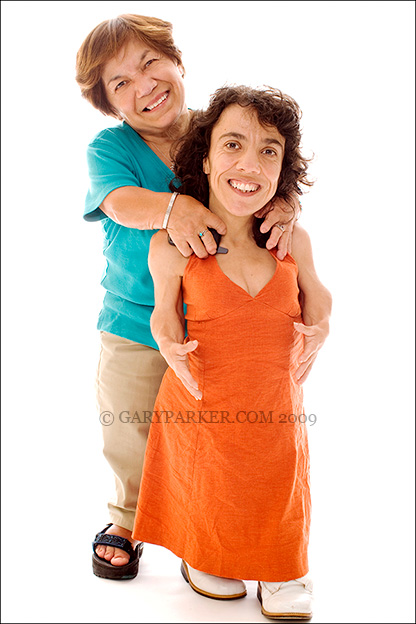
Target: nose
144, 85
248, 161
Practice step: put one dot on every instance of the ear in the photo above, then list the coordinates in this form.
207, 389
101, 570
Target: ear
205, 166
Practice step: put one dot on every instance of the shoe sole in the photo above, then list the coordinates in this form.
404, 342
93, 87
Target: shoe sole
201, 592
282, 616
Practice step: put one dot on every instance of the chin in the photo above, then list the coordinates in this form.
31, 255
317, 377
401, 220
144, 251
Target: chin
246, 209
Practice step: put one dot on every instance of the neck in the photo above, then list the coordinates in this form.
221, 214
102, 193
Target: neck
166, 136
161, 141
239, 229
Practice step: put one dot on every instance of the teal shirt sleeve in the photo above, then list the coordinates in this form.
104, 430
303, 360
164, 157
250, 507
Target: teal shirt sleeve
119, 157
110, 167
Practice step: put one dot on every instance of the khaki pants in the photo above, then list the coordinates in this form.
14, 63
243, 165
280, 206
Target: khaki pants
128, 379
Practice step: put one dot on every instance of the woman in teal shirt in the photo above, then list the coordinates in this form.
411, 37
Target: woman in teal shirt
130, 68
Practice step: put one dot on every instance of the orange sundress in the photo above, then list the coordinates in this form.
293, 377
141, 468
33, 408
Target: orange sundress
225, 484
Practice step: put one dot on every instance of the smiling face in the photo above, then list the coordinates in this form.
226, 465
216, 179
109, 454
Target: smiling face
146, 89
244, 162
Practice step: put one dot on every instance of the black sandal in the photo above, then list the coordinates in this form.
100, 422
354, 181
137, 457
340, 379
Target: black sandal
104, 569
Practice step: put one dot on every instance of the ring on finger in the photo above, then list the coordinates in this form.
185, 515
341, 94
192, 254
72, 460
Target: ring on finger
202, 233
281, 227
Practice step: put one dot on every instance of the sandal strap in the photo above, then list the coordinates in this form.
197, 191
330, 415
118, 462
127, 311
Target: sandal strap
103, 539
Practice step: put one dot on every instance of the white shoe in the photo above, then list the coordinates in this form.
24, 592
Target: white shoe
290, 600
213, 586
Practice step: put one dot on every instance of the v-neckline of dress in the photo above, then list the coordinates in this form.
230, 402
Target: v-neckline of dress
243, 289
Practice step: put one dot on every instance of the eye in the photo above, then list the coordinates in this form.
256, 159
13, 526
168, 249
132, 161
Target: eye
149, 62
119, 85
232, 145
270, 151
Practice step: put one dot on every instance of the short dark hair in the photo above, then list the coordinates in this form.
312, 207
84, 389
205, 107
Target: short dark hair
273, 109
106, 40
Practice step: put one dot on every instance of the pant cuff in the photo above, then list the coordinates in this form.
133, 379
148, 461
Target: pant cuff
122, 518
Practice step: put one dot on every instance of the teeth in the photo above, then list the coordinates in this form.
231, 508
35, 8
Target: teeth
246, 188
162, 99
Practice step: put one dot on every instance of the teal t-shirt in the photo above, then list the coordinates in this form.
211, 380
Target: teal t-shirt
119, 157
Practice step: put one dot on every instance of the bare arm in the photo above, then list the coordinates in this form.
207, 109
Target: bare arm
166, 266
316, 303
139, 208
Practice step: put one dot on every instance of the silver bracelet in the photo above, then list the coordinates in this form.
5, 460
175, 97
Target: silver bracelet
168, 211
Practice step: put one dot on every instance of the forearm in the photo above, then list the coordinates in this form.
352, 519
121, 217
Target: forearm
167, 328
136, 207
142, 209
316, 306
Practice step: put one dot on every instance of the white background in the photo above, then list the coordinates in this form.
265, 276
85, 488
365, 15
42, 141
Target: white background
350, 65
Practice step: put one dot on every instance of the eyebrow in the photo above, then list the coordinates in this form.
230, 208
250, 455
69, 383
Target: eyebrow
236, 135
143, 56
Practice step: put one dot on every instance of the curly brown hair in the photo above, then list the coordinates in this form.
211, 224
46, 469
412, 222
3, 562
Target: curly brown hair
273, 109
107, 39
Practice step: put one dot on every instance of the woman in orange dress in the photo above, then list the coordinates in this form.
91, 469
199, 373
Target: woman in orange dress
226, 478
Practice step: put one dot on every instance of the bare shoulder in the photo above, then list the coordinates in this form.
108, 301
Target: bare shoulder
300, 238
165, 257
301, 245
